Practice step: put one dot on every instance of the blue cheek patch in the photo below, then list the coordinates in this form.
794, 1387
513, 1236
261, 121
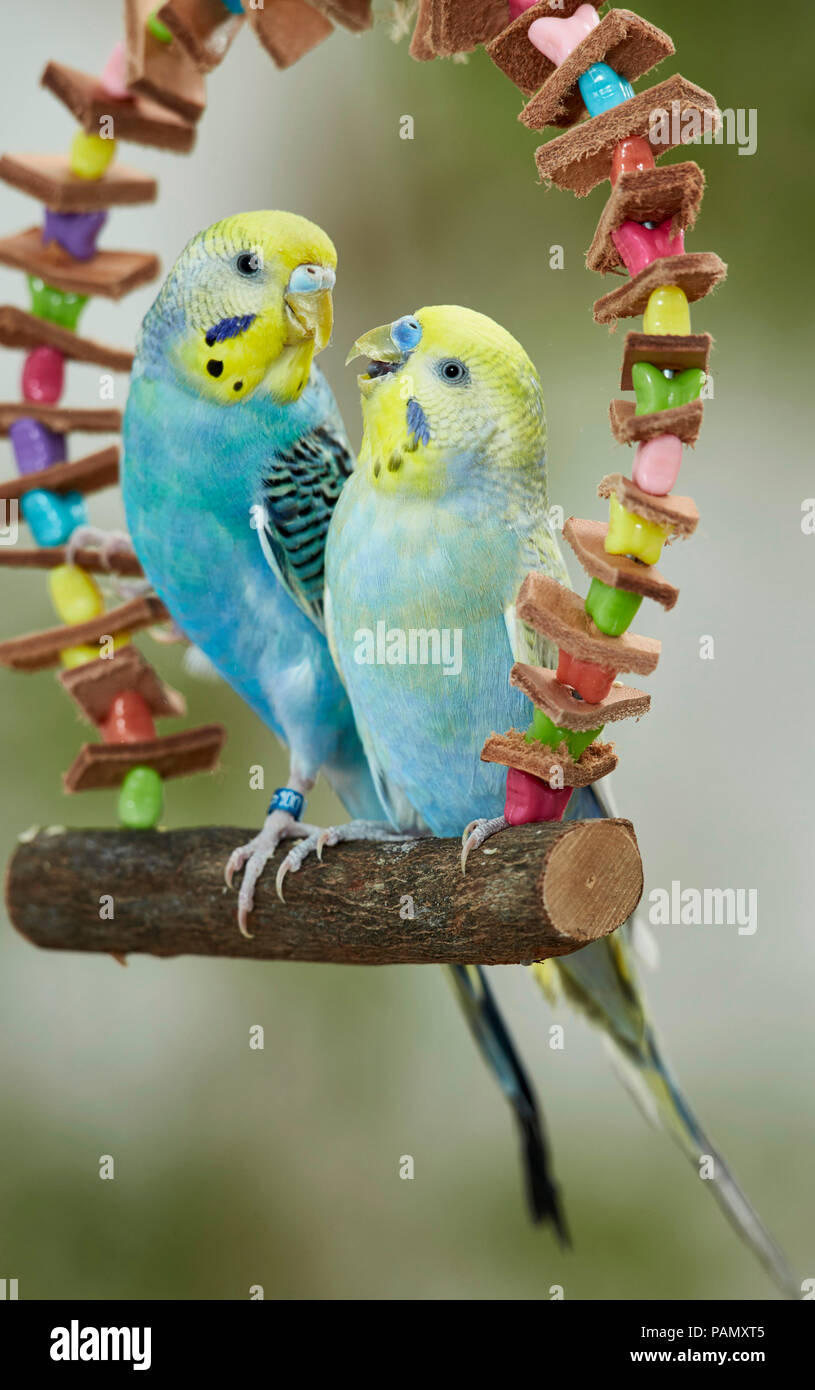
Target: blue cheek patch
229, 328
418, 427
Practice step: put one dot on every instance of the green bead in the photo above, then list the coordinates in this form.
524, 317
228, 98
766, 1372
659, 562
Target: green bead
158, 29
612, 610
544, 730
658, 392
55, 305
141, 799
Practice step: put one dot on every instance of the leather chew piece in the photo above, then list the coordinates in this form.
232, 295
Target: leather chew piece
664, 350
109, 273
647, 195
61, 418
546, 692
86, 475
514, 53
37, 650
697, 273
19, 329
449, 27
138, 119
163, 71
288, 29
685, 421
558, 613
678, 514
92, 687
48, 178
49, 557
204, 28
630, 45
618, 571
581, 157
512, 750
98, 765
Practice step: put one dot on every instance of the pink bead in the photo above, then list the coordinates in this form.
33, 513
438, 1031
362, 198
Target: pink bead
517, 7
529, 799
639, 245
657, 463
557, 38
43, 375
114, 74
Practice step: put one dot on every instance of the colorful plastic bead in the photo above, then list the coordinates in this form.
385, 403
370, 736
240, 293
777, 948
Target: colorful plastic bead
57, 306
655, 391
90, 155
591, 682
667, 311
557, 38
612, 610
639, 246
141, 799
629, 534
236, 6
77, 656
602, 88
114, 74
159, 29
530, 799
51, 516
129, 719
74, 594
75, 232
35, 446
631, 156
657, 463
43, 375
544, 730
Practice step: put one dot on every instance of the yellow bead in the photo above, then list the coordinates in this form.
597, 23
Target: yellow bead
78, 656
90, 155
667, 311
629, 534
74, 594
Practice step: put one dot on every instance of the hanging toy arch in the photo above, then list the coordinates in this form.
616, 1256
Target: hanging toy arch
548, 878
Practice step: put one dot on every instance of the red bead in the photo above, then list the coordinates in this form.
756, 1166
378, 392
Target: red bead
530, 799
43, 375
128, 720
629, 155
591, 682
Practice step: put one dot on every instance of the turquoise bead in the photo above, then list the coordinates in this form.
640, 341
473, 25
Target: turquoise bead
141, 799
602, 88
51, 516
234, 6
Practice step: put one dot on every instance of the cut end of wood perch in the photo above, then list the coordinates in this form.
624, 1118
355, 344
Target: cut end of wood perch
535, 891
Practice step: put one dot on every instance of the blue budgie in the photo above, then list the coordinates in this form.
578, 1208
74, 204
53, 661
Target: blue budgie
235, 455
434, 531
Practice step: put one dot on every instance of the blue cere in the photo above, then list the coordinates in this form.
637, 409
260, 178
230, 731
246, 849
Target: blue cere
602, 88
406, 333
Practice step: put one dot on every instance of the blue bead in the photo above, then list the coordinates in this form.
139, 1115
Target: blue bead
53, 517
602, 88
234, 6
406, 333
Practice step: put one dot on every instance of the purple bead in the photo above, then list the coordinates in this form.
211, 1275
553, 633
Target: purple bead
35, 446
75, 232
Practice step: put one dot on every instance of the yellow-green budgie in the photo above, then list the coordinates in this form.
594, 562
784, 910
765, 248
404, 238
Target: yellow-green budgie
433, 532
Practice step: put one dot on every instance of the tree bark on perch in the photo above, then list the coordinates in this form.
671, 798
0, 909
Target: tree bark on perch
539, 890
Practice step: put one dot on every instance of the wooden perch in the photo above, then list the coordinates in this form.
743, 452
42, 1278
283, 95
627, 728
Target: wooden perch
537, 891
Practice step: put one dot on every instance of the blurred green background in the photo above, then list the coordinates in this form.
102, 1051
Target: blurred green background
237, 1167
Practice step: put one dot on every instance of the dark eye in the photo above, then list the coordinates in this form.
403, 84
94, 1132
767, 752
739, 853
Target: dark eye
452, 370
248, 263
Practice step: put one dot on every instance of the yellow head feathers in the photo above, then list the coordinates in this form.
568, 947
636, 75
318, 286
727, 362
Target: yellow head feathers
447, 388
248, 303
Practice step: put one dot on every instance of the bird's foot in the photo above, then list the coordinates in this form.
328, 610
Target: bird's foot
355, 830
279, 825
476, 833
109, 544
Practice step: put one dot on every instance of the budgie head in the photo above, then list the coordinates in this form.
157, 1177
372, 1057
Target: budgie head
247, 305
447, 395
